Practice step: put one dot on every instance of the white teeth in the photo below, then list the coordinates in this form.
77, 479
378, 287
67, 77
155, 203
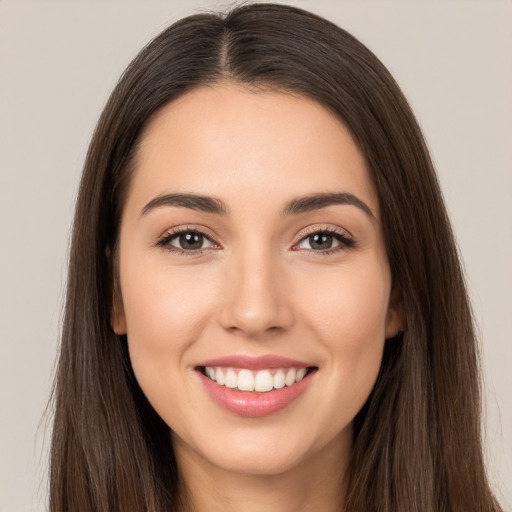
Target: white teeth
263, 381
279, 379
245, 380
260, 381
219, 377
290, 377
231, 379
300, 374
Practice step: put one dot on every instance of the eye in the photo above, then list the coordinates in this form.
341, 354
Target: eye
186, 241
325, 241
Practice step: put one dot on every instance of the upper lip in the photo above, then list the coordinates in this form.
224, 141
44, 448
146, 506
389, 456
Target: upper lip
255, 363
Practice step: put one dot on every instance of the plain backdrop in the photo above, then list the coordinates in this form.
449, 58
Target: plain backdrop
60, 60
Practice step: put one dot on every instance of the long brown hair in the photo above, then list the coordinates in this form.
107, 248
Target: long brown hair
417, 440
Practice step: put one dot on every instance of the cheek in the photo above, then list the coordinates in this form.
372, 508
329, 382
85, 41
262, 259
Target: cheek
349, 319
166, 310
350, 305
350, 324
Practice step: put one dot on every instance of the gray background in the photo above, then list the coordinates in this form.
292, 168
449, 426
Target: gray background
60, 60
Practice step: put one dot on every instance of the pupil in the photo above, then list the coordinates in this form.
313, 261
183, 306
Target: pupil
191, 241
320, 241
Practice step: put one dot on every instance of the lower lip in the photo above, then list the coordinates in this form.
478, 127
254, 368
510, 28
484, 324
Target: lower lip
251, 403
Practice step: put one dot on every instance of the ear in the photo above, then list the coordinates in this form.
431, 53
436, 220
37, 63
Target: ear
117, 316
395, 318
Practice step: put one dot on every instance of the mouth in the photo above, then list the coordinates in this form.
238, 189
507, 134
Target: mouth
255, 387
259, 381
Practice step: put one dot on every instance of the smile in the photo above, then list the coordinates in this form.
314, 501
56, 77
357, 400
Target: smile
261, 381
255, 387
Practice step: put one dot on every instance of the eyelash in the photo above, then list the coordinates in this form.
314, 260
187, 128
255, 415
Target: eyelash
346, 242
166, 239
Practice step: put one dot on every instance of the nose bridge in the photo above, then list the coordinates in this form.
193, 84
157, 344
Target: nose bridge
256, 300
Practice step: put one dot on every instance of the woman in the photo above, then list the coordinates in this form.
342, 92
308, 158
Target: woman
265, 306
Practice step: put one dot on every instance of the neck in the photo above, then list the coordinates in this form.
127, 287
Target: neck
317, 484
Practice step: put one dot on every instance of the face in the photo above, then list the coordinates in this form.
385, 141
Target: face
254, 284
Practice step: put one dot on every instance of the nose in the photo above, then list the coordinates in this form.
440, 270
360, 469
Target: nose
256, 301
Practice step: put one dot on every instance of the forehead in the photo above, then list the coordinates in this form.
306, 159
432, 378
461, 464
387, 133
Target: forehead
242, 144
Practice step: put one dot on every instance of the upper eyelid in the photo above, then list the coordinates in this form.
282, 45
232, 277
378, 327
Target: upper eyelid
324, 229
188, 229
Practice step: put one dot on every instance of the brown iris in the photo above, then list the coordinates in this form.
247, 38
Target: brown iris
320, 241
191, 241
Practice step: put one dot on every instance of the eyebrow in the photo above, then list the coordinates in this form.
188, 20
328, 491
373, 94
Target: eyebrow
295, 206
318, 201
193, 201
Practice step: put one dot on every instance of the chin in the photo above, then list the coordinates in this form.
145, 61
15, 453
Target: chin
269, 451
258, 462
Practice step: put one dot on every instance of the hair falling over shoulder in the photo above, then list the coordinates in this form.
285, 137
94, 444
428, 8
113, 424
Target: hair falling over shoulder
417, 445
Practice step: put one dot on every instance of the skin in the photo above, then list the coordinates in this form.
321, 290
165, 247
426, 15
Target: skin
258, 288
